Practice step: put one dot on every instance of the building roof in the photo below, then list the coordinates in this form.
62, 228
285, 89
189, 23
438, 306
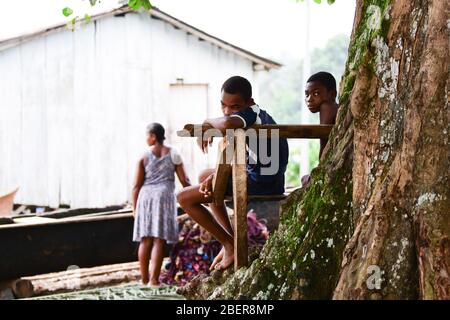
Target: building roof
258, 61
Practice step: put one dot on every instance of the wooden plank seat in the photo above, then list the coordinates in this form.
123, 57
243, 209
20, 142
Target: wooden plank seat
232, 160
266, 208
272, 197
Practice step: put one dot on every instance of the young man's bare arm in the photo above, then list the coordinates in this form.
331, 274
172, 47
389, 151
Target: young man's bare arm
221, 123
226, 122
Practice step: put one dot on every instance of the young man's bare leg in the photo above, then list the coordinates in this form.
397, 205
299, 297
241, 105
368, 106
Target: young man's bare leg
144, 252
156, 261
191, 201
221, 215
219, 211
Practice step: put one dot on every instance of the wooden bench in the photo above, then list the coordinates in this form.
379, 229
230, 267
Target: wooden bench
267, 208
232, 160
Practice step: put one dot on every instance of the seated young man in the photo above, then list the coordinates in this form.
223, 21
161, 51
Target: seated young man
240, 111
320, 96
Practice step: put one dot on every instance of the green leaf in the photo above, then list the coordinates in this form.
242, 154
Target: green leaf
146, 4
92, 2
318, 1
87, 18
330, 1
137, 4
134, 4
67, 11
71, 23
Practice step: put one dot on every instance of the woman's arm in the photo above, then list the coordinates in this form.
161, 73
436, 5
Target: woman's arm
182, 176
138, 182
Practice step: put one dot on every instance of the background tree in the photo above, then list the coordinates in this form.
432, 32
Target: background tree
375, 221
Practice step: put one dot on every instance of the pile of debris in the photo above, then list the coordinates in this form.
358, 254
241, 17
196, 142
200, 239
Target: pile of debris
196, 249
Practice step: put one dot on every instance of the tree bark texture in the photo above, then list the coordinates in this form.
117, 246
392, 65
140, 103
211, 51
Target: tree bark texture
399, 103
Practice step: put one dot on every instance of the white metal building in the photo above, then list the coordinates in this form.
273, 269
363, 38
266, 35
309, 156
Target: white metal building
74, 104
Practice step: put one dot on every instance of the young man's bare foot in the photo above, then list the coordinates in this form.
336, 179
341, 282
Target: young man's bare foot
227, 259
217, 259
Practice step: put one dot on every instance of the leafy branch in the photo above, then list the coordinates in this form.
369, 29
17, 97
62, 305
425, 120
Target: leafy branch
133, 4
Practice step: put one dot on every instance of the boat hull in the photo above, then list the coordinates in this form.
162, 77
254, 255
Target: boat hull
31, 249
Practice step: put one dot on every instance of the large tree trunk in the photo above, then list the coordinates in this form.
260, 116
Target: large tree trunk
401, 158
375, 222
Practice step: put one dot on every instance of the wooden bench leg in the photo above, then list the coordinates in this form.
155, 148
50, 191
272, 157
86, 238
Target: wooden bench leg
222, 173
240, 201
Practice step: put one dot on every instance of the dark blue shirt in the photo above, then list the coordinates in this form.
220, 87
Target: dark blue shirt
262, 166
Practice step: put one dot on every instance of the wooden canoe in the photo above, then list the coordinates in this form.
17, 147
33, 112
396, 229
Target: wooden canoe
32, 245
35, 245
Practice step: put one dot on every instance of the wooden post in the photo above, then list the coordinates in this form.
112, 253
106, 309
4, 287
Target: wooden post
222, 173
240, 201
